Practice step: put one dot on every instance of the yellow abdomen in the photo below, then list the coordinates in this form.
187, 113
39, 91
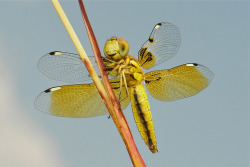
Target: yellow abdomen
142, 115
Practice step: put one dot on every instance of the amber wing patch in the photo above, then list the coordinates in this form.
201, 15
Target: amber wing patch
179, 82
162, 44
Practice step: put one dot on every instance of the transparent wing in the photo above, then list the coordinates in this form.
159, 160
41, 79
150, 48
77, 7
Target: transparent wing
77, 101
66, 67
163, 43
179, 82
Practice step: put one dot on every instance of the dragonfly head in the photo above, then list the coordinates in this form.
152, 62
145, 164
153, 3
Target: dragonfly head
116, 48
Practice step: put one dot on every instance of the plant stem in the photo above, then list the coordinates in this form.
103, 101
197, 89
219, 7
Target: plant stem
109, 98
118, 116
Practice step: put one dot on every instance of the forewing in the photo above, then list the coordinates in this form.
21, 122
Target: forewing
163, 43
179, 82
66, 67
77, 101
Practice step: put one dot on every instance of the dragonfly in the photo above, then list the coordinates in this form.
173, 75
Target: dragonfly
127, 79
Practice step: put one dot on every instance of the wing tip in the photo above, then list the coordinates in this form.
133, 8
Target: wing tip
52, 89
55, 53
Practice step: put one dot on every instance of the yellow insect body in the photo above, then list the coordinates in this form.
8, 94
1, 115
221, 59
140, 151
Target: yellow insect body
142, 116
133, 77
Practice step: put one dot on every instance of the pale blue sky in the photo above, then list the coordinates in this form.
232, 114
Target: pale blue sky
210, 129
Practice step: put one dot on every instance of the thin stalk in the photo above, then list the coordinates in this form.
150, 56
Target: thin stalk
109, 99
82, 53
118, 116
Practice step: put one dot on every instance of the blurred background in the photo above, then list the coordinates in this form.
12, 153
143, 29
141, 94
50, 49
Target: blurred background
210, 129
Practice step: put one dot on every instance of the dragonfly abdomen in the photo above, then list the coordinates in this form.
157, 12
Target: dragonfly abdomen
142, 116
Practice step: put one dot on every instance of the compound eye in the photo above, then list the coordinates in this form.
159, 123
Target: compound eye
123, 47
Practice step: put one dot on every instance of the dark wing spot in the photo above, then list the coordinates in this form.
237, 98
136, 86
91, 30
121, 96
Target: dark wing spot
47, 91
52, 53
159, 24
151, 39
195, 64
146, 81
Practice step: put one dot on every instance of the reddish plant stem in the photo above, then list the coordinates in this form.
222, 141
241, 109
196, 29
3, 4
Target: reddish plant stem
116, 114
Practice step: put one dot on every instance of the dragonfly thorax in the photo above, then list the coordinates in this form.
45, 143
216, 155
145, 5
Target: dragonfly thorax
127, 69
135, 73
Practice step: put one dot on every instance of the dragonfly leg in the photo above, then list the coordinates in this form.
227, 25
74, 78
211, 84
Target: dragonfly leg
120, 94
125, 82
122, 74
